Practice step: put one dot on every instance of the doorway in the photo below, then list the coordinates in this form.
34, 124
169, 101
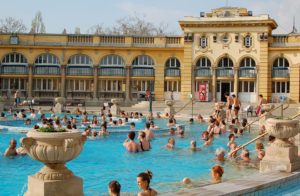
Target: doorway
225, 88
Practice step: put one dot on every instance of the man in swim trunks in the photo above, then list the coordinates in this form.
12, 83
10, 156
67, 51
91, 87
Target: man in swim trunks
229, 103
236, 105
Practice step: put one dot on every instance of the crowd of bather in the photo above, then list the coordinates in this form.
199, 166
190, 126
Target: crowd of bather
219, 123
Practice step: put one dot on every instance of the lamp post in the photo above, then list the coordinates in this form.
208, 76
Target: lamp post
150, 102
191, 97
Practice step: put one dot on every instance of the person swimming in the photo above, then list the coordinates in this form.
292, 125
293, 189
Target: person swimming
216, 174
193, 146
171, 143
144, 144
220, 154
143, 181
114, 188
11, 150
130, 144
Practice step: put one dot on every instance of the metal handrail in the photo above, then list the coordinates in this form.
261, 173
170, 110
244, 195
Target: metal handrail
262, 135
263, 115
184, 106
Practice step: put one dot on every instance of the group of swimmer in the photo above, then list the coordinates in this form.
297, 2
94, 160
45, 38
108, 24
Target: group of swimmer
218, 125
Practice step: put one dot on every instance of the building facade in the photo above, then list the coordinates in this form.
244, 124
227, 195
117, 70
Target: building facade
229, 50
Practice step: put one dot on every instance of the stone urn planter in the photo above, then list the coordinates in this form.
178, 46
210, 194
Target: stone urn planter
281, 155
115, 108
54, 149
170, 107
267, 107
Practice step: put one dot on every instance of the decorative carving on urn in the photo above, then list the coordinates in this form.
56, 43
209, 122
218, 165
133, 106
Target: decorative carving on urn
54, 150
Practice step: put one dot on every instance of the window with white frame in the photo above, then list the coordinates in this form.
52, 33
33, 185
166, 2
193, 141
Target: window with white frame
48, 59
203, 42
80, 59
225, 62
281, 87
45, 84
13, 83
110, 86
172, 62
203, 62
247, 87
112, 60
172, 85
14, 58
79, 85
248, 41
143, 85
143, 60
281, 63
247, 62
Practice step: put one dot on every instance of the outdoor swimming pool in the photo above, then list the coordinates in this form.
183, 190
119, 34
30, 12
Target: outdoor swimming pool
105, 159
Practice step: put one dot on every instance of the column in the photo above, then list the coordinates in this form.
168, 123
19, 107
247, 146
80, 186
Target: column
159, 82
127, 86
265, 72
95, 75
186, 72
30, 79
236, 81
63, 81
294, 83
257, 82
193, 80
214, 84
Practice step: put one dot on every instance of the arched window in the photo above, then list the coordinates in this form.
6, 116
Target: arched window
112, 65
247, 62
281, 62
172, 67
112, 60
46, 64
48, 59
14, 58
172, 62
14, 63
281, 68
225, 62
143, 60
80, 59
203, 62
80, 65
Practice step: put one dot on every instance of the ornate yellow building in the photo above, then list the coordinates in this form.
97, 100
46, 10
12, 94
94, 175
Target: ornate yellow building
228, 49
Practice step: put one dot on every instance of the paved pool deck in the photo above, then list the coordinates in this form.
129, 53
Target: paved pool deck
254, 185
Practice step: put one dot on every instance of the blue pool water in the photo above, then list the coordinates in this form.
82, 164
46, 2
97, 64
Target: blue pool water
105, 159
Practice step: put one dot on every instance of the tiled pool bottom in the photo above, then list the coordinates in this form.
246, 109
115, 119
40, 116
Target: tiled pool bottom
273, 184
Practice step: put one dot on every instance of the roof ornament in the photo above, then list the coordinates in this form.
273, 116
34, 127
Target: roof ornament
294, 27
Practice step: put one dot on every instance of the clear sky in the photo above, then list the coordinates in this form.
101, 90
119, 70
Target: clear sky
60, 14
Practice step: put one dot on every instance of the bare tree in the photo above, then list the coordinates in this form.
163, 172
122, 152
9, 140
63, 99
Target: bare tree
37, 24
137, 25
12, 25
96, 29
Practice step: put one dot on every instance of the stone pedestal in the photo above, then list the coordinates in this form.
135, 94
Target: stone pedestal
115, 108
170, 108
69, 187
281, 155
54, 150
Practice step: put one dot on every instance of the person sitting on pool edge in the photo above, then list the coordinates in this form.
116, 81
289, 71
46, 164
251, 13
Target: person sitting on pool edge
114, 188
216, 174
130, 144
143, 181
